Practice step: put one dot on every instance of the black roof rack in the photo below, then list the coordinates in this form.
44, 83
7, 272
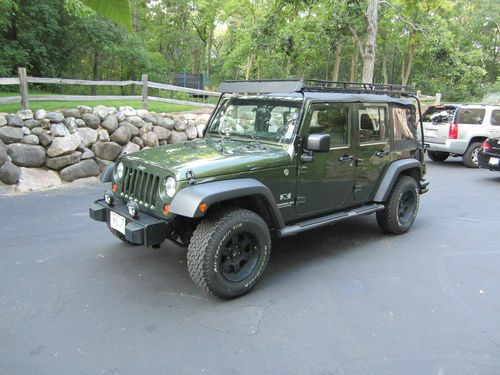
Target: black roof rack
312, 85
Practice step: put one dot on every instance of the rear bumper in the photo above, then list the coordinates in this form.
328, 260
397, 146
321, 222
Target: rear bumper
484, 161
142, 230
453, 146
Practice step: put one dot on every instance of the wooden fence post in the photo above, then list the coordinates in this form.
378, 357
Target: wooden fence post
23, 87
438, 98
145, 91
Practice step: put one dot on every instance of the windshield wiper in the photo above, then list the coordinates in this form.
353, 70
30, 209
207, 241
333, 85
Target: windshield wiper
257, 142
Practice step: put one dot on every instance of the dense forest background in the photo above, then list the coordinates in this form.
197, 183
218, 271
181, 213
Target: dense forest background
447, 46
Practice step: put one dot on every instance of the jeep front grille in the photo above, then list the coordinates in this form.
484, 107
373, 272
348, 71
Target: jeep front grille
140, 186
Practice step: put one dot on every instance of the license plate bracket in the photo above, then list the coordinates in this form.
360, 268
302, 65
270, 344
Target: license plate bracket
117, 222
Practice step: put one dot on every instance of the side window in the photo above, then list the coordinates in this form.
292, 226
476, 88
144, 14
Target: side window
402, 129
333, 121
471, 116
495, 117
372, 124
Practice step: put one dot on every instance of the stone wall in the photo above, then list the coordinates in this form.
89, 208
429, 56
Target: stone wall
77, 143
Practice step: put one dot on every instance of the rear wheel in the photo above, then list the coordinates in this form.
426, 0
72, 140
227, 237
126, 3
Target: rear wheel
229, 252
437, 155
470, 157
401, 207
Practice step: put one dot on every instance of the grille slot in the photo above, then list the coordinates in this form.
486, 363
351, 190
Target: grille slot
140, 186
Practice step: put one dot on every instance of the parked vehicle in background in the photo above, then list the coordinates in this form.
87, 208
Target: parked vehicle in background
489, 154
459, 130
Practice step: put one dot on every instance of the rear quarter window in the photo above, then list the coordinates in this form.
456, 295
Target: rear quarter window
495, 117
440, 114
471, 116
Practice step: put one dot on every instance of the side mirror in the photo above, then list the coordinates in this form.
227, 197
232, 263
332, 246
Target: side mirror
318, 142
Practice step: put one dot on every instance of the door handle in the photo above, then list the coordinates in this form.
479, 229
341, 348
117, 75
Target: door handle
346, 158
381, 154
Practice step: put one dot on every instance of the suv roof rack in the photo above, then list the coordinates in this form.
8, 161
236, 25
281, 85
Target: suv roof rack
312, 85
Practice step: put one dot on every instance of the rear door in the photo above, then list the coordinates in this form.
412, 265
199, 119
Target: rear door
436, 121
373, 152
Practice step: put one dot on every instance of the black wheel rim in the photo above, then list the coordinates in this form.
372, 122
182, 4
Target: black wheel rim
407, 206
239, 256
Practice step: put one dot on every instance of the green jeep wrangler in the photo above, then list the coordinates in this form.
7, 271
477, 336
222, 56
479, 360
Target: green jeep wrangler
277, 157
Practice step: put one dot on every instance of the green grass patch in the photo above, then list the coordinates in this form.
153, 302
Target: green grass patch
55, 105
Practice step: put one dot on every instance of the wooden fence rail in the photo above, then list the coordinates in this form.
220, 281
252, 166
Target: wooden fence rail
22, 81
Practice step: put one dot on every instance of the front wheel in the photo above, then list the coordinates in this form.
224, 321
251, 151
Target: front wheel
229, 252
470, 157
401, 207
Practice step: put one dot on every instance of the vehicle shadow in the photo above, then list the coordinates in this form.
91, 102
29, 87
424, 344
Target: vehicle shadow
165, 269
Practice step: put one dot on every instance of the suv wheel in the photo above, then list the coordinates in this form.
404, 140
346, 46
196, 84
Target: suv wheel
470, 156
401, 207
120, 236
438, 156
229, 252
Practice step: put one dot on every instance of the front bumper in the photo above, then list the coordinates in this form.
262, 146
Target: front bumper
142, 230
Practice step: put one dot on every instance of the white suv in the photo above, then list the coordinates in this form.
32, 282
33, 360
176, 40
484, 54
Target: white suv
459, 130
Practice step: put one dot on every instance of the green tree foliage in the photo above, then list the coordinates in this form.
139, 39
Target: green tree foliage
448, 46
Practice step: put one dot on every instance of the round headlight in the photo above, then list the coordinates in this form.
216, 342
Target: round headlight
170, 186
119, 172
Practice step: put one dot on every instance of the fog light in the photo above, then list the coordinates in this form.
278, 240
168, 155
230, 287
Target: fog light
109, 198
133, 208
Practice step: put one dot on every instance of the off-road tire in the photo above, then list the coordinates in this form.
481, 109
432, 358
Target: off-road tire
438, 156
209, 242
471, 154
390, 219
120, 236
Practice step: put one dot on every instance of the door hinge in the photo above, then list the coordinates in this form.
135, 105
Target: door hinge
302, 169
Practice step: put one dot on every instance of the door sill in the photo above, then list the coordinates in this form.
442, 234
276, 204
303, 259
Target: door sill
328, 219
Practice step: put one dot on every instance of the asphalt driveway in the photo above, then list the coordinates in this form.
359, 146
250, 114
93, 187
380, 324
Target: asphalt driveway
345, 299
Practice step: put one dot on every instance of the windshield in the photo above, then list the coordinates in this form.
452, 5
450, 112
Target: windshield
263, 119
439, 114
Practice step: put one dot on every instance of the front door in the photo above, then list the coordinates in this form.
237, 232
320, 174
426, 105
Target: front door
373, 153
326, 183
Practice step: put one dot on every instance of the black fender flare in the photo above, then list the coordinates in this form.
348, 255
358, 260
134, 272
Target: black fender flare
107, 175
187, 201
391, 175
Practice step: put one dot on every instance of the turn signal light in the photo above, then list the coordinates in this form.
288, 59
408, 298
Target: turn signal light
203, 207
114, 188
166, 208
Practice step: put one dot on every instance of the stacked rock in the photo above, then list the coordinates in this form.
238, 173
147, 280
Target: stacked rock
81, 142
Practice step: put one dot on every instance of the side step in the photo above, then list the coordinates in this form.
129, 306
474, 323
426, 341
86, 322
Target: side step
328, 219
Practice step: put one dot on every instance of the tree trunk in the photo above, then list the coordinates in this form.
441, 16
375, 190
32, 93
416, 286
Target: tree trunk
354, 63
384, 67
95, 71
405, 73
249, 66
338, 58
209, 49
371, 39
135, 19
